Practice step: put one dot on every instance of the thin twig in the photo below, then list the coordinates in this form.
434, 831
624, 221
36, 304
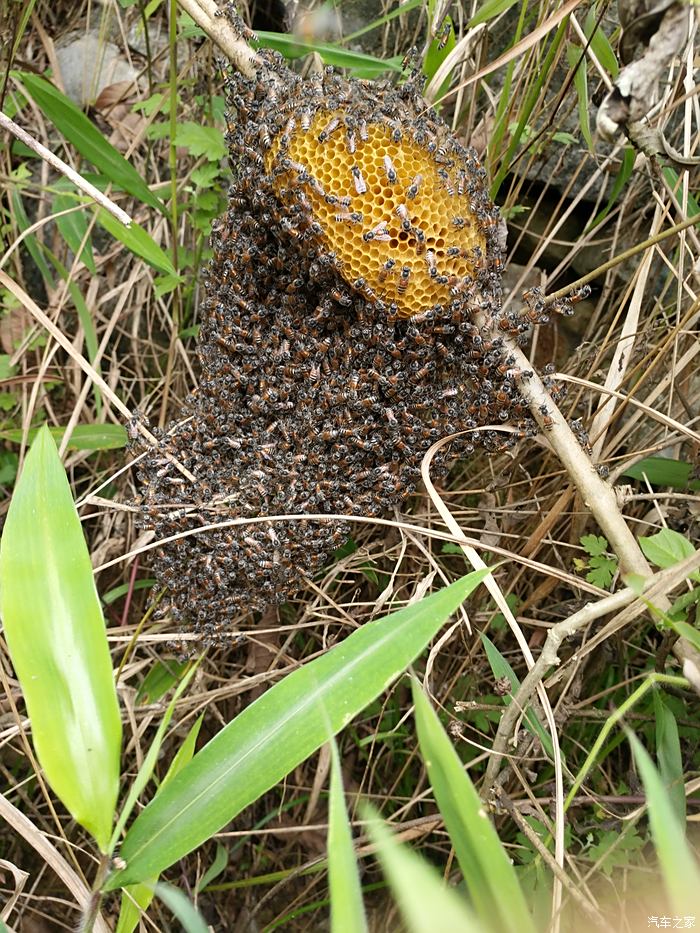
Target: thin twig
60, 166
621, 257
220, 30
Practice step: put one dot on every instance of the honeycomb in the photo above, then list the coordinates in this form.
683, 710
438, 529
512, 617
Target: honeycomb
398, 221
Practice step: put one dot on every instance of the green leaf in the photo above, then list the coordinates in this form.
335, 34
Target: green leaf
669, 755
56, 637
489, 10
161, 677
602, 570
138, 241
486, 867
426, 903
662, 471
576, 59
600, 46
280, 730
666, 548
180, 905
87, 139
73, 228
501, 668
686, 631
678, 865
83, 436
215, 869
201, 140
293, 47
594, 544
347, 909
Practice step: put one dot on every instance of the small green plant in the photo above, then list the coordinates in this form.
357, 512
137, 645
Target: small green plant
601, 565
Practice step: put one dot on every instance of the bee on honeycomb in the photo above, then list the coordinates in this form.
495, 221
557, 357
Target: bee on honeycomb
338, 338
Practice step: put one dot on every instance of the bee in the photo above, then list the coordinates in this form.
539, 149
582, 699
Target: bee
264, 135
420, 240
354, 218
444, 36
459, 222
305, 119
446, 182
364, 135
379, 233
390, 170
386, 269
403, 279
360, 184
430, 259
351, 142
453, 251
414, 187
330, 128
461, 181
402, 213
341, 297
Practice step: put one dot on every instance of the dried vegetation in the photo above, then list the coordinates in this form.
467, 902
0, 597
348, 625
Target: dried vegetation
629, 356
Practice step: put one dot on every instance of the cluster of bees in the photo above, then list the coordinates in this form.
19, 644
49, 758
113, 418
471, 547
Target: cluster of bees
352, 318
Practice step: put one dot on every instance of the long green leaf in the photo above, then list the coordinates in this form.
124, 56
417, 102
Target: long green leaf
486, 867
294, 47
87, 139
501, 668
669, 755
426, 904
279, 731
576, 59
347, 909
188, 915
83, 436
138, 240
678, 864
56, 636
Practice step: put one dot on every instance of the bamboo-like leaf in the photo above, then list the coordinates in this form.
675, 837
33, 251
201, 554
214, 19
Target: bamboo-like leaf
188, 915
56, 637
279, 731
669, 755
87, 139
138, 241
678, 865
426, 904
486, 867
501, 668
294, 47
347, 909
83, 436
576, 59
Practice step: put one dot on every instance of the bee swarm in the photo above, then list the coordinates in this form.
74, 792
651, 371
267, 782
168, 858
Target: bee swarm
338, 339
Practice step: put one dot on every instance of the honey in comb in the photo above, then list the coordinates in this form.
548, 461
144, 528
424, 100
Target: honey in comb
324, 376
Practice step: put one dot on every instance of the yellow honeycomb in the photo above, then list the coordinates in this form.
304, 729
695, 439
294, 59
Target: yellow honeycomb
425, 241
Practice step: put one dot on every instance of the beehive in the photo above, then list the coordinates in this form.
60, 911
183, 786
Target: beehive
397, 216
323, 382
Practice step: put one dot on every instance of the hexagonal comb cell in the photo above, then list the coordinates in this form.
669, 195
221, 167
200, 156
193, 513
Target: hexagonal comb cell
397, 216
